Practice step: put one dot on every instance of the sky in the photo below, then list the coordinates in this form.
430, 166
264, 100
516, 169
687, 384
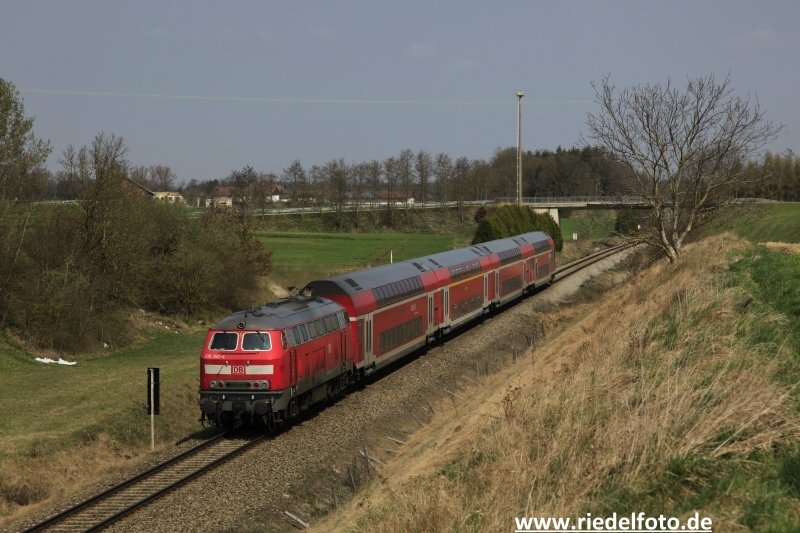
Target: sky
207, 87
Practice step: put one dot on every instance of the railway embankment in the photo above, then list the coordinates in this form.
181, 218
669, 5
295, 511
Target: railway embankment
674, 393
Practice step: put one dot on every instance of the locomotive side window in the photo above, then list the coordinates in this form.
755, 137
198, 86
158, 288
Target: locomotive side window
224, 341
256, 341
331, 324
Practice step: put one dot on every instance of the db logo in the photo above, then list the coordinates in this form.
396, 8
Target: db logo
237, 369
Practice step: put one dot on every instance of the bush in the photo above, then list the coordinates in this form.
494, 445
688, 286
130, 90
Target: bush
626, 222
72, 276
511, 220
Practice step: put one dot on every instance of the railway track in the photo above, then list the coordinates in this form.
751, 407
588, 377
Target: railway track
567, 269
111, 505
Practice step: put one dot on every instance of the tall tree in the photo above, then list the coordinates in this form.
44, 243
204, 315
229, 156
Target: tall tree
423, 165
405, 173
461, 175
390, 167
443, 168
295, 177
684, 147
338, 175
22, 155
162, 178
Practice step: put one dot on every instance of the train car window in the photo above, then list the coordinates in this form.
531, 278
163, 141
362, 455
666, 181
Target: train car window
331, 324
303, 332
223, 340
312, 330
256, 341
342, 316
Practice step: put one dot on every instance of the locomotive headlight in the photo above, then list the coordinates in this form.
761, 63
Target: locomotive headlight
213, 384
265, 385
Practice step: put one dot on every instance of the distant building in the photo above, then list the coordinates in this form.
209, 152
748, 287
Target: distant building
169, 197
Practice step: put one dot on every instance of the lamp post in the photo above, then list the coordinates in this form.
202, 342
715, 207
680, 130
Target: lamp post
520, 94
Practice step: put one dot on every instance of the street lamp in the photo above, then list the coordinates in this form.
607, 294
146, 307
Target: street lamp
520, 94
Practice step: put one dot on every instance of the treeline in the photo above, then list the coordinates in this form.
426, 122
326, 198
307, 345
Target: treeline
74, 274
775, 177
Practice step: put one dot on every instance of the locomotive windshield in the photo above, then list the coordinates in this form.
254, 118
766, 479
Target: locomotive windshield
256, 341
224, 341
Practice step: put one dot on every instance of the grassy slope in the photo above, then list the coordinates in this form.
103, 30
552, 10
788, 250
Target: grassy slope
669, 396
767, 222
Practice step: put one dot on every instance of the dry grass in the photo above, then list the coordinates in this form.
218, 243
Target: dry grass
654, 375
787, 247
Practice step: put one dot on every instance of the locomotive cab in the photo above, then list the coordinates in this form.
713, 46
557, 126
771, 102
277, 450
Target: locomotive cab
265, 365
243, 374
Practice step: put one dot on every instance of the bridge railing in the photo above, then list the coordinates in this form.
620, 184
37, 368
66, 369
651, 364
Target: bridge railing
563, 200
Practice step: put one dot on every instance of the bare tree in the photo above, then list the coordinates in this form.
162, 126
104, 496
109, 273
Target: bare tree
338, 172
461, 174
390, 166
374, 184
162, 178
684, 147
423, 165
443, 168
295, 177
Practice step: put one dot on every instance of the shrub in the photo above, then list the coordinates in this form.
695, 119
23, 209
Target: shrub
511, 220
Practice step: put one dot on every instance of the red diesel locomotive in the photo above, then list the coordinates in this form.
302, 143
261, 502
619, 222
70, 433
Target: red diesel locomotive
269, 363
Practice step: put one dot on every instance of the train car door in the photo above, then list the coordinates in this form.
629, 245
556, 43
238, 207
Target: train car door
447, 306
361, 341
369, 356
430, 313
292, 366
342, 346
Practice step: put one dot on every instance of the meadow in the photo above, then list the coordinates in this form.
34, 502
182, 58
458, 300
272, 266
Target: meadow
299, 257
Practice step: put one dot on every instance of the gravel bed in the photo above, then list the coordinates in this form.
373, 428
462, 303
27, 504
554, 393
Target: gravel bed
316, 464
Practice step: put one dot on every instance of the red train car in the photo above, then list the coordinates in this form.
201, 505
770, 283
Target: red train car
270, 363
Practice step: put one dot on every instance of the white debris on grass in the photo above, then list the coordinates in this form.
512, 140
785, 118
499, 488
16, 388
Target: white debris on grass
59, 361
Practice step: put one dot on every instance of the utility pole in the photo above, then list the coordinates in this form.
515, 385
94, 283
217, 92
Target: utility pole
520, 94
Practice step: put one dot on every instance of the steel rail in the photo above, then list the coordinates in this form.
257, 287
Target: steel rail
68, 519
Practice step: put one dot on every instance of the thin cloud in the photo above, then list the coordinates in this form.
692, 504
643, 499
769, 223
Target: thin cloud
764, 34
265, 35
281, 100
159, 32
463, 65
322, 33
420, 50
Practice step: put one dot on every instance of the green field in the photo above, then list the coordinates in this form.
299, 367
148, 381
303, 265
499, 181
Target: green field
591, 225
299, 257
769, 222
60, 405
